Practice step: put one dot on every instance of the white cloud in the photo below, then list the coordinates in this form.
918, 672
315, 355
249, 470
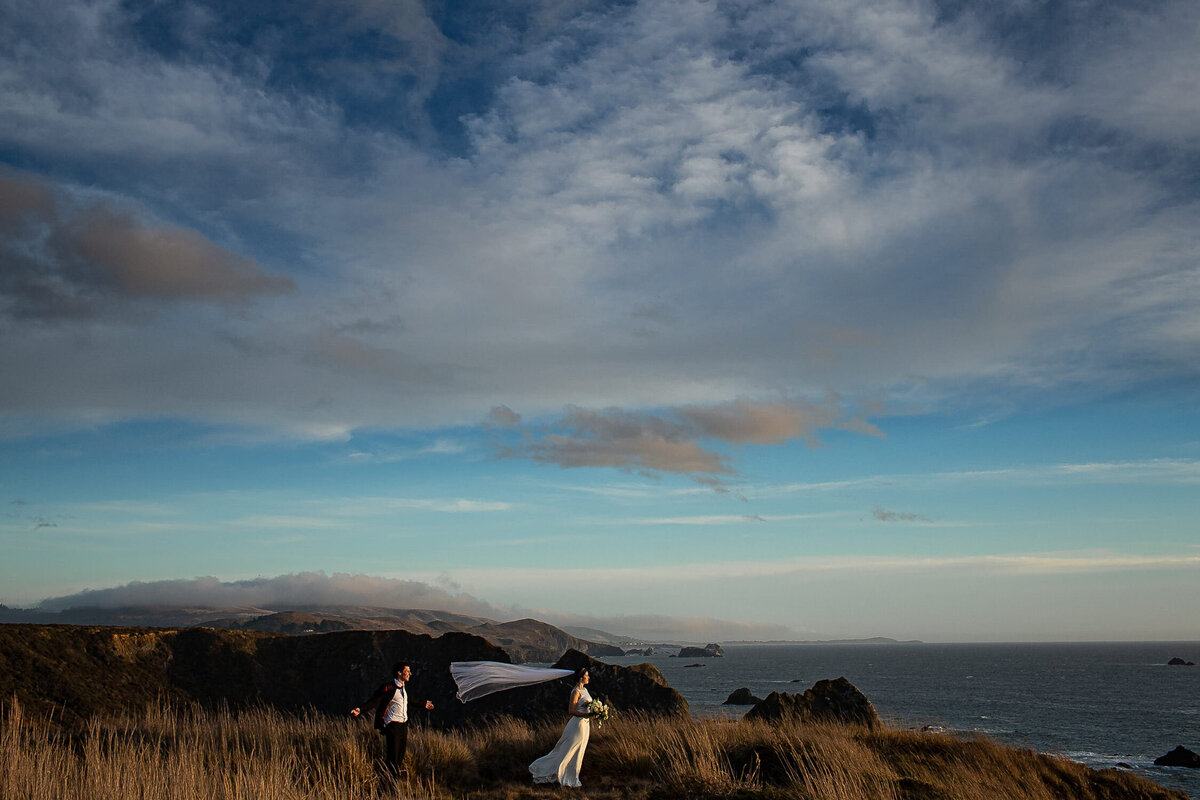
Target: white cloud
132, 507
719, 519
381, 505
1165, 471
290, 522
768, 181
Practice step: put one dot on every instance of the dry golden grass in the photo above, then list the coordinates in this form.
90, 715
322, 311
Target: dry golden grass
188, 754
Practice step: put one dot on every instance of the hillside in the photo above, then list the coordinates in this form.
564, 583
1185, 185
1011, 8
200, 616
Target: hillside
295, 622
526, 640
531, 640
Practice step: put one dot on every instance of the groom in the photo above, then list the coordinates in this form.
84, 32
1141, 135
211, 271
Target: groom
391, 716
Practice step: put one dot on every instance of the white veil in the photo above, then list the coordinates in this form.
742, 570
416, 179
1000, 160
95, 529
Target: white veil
476, 679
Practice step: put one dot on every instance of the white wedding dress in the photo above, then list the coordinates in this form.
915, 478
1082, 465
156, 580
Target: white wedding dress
561, 765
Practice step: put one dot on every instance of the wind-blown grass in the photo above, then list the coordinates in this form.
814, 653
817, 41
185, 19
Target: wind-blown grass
191, 754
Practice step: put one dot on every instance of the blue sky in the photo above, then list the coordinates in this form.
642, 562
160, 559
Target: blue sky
679, 319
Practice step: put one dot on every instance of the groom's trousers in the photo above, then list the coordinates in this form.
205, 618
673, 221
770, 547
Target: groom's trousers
395, 743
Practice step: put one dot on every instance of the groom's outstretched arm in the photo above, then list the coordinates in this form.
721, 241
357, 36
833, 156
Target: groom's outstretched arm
371, 701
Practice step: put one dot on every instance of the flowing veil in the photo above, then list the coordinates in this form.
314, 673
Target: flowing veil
477, 679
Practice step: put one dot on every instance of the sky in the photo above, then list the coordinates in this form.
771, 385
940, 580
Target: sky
709, 320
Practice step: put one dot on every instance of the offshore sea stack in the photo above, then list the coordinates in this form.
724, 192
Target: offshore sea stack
742, 697
708, 651
1179, 757
827, 701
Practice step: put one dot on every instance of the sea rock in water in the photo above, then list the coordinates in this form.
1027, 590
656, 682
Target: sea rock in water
708, 651
1179, 662
742, 697
827, 701
1179, 757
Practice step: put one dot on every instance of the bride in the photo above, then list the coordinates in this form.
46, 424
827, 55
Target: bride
561, 765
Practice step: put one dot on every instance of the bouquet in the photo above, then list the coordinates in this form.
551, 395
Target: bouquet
599, 712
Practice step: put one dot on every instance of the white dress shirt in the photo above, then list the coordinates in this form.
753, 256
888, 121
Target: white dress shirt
397, 710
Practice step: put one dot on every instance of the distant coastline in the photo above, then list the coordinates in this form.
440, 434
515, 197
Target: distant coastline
868, 640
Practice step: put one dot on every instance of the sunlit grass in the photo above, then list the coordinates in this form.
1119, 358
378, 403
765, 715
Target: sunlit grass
189, 754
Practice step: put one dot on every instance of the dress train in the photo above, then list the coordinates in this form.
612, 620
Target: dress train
562, 764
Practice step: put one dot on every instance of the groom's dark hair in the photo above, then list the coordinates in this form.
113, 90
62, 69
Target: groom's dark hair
398, 667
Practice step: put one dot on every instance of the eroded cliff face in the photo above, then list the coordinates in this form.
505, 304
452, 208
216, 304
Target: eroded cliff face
68, 673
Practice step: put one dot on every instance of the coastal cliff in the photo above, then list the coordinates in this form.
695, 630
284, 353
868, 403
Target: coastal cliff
75, 672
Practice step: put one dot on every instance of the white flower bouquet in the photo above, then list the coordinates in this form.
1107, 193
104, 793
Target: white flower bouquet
599, 711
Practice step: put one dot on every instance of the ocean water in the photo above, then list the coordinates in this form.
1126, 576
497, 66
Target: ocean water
1098, 703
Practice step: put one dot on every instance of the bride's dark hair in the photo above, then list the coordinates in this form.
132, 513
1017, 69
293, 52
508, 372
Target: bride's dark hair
578, 677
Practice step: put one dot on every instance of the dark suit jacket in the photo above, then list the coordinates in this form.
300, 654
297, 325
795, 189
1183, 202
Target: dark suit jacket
381, 699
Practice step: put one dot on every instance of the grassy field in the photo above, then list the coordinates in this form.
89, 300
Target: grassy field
191, 754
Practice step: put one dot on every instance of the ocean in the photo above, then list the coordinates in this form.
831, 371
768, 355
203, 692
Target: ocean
1102, 704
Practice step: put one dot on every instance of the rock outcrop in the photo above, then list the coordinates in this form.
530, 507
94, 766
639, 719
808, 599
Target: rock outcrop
708, 651
827, 701
635, 688
1179, 662
1179, 757
742, 697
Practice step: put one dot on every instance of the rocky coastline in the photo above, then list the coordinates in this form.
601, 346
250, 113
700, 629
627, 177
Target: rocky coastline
70, 676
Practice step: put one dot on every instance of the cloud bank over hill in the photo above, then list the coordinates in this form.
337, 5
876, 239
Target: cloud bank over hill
300, 589
317, 589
